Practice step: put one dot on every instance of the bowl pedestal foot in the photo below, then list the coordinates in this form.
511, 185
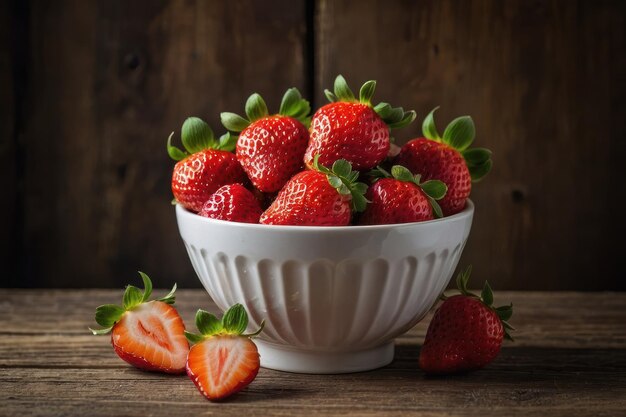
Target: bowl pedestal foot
290, 359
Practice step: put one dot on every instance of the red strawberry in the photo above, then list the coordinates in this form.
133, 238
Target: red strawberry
466, 331
319, 197
232, 202
448, 159
353, 130
402, 198
270, 148
223, 360
147, 334
206, 166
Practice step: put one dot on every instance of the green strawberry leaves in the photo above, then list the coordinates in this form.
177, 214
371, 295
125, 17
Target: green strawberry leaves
109, 314
196, 136
459, 134
233, 121
434, 189
343, 179
292, 105
394, 117
429, 130
234, 322
504, 313
256, 108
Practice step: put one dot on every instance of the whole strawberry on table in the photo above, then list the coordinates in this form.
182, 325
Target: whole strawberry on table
466, 332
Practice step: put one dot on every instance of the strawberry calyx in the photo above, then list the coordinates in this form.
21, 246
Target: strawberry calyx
196, 135
234, 322
344, 180
504, 313
459, 134
292, 105
394, 117
109, 314
434, 189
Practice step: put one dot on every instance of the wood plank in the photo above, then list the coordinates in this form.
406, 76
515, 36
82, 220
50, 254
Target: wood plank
545, 84
516, 384
110, 80
564, 319
50, 365
9, 224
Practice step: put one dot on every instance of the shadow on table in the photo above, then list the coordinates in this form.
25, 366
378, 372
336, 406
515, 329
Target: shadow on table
516, 364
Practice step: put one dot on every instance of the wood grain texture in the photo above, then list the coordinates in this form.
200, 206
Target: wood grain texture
546, 86
569, 359
9, 17
109, 81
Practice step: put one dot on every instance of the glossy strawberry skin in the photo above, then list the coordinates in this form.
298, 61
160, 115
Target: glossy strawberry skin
350, 131
393, 201
151, 337
206, 365
464, 335
232, 202
199, 175
270, 151
308, 199
438, 161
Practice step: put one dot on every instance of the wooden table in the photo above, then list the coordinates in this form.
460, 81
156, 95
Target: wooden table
569, 359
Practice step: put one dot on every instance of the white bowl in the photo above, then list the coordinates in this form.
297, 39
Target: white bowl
333, 298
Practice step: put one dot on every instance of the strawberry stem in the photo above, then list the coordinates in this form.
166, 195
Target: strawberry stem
109, 314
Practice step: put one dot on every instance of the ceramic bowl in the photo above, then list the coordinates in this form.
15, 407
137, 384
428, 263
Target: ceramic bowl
333, 298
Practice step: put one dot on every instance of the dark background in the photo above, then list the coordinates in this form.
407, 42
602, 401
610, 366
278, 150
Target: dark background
90, 91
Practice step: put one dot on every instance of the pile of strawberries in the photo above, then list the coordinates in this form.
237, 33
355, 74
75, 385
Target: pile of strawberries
336, 168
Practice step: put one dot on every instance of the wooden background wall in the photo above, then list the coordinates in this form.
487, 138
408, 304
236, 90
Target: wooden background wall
91, 89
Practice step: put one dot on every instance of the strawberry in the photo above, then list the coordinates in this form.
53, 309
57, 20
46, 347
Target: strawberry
466, 331
223, 360
206, 166
319, 197
234, 203
147, 334
353, 129
447, 159
400, 197
271, 148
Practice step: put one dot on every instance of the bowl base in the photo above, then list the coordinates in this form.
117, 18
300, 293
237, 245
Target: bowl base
289, 359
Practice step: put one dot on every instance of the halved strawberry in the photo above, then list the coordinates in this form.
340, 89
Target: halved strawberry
206, 165
147, 334
223, 360
270, 148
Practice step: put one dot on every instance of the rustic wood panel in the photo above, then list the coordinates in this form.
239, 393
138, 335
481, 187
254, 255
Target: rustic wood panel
569, 359
109, 80
545, 83
8, 142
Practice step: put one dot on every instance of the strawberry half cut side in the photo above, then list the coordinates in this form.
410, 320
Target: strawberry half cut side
223, 359
147, 334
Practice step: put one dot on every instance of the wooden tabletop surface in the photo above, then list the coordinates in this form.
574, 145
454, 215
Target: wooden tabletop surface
569, 359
